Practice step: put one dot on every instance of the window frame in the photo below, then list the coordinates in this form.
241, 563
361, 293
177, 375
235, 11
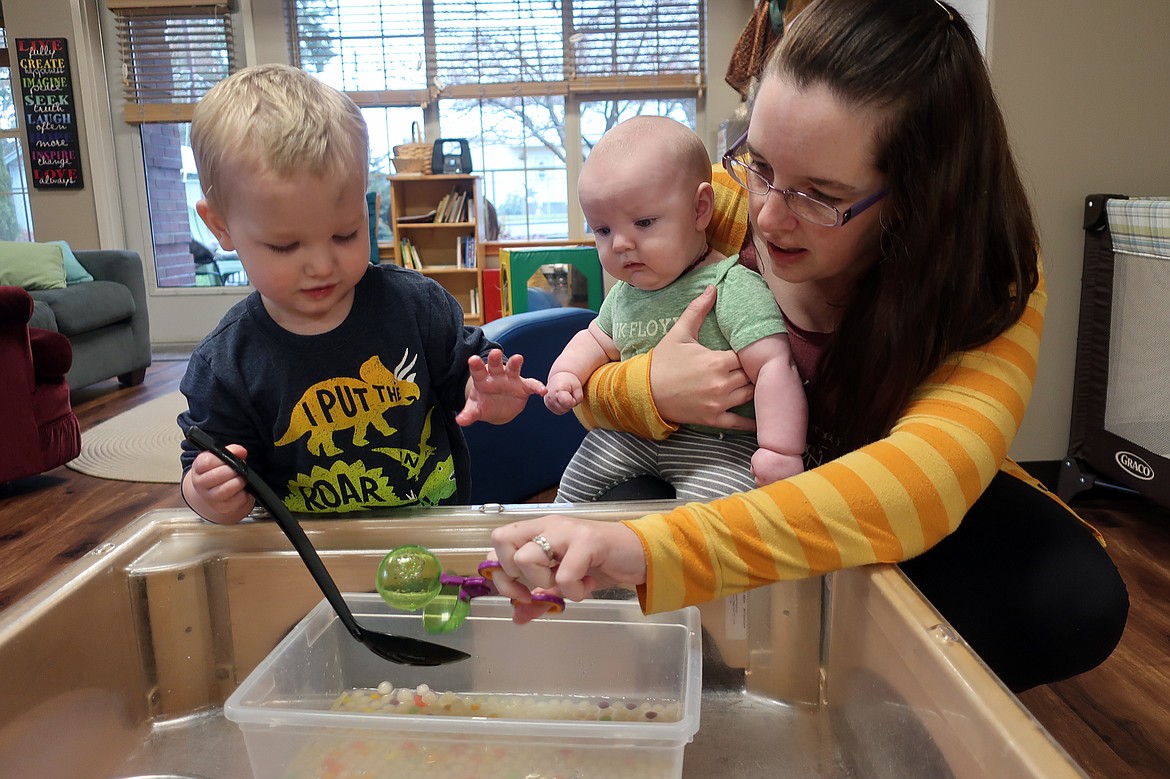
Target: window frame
150, 96
575, 90
16, 134
261, 32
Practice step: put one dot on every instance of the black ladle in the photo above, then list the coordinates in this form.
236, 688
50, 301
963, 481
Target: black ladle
396, 649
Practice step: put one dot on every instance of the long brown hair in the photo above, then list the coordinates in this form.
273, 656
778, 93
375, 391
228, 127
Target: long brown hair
958, 247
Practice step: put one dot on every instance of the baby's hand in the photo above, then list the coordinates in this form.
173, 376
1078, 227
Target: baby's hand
216, 491
564, 392
769, 466
497, 392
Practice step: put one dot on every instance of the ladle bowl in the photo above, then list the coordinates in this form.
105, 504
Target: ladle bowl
397, 649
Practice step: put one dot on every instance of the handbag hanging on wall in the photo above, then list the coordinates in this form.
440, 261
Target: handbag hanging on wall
759, 37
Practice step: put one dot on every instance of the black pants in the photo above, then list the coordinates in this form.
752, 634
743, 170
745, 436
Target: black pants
1022, 580
1026, 585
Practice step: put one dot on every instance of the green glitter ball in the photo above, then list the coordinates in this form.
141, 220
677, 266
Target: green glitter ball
446, 612
408, 577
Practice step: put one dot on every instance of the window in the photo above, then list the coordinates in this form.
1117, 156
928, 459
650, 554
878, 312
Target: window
15, 215
171, 55
530, 84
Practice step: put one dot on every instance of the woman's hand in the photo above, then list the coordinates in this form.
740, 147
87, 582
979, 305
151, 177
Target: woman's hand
692, 384
586, 555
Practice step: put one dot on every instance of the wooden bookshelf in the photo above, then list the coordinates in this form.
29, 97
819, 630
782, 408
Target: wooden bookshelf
435, 221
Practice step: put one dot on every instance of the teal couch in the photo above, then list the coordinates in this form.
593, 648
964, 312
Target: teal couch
105, 320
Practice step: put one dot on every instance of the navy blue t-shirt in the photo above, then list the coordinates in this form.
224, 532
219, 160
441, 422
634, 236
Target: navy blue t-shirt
360, 417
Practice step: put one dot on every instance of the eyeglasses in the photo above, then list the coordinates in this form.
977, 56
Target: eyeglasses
738, 164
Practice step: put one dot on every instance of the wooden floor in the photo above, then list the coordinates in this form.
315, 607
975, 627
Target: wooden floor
1114, 720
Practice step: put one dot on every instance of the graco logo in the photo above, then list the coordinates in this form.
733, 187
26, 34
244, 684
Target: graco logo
1134, 465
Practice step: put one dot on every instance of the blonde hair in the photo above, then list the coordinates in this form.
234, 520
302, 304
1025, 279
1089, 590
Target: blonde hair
276, 120
673, 143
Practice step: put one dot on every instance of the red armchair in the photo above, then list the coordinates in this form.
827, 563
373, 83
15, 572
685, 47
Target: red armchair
38, 430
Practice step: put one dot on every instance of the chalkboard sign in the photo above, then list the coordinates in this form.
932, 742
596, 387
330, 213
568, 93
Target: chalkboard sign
50, 114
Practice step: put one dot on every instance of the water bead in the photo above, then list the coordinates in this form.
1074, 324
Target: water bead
409, 577
426, 701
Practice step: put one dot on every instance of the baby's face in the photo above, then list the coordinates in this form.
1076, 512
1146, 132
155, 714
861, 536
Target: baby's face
644, 218
304, 242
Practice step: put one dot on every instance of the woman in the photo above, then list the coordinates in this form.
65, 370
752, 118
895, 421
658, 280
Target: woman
888, 217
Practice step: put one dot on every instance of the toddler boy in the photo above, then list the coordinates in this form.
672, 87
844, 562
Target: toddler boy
344, 384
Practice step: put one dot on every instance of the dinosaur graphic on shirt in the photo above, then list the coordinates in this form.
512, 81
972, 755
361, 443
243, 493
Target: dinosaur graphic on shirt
344, 403
411, 460
440, 484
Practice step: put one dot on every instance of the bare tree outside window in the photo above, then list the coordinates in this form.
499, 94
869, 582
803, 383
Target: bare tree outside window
502, 75
530, 84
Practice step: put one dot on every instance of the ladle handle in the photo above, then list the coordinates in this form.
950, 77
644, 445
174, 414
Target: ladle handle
285, 520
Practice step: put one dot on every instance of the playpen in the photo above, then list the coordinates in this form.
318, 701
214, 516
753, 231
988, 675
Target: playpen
1120, 431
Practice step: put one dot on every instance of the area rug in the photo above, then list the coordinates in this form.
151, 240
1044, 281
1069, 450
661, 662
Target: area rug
141, 444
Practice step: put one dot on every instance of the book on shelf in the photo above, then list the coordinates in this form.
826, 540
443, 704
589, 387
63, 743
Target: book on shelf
429, 216
465, 251
441, 209
474, 309
409, 255
452, 207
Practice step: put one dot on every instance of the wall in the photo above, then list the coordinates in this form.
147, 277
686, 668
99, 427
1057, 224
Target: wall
60, 213
725, 22
1086, 91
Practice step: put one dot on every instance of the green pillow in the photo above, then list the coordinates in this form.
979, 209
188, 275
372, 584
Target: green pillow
75, 272
31, 265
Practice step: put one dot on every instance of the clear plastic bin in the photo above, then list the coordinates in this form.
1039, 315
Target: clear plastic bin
603, 654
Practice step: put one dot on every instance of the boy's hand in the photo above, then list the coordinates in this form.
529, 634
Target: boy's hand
215, 491
496, 392
769, 466
564, 392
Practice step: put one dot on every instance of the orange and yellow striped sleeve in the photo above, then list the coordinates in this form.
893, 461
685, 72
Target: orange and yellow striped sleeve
885, 502
620, 400
729, 225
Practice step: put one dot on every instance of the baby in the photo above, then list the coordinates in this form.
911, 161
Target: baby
646, 193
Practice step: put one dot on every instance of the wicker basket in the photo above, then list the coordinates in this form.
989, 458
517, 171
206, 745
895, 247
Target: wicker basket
411, 165
414, 157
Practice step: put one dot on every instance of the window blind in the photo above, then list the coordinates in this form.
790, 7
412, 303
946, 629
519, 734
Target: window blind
172, 52
645, 44
412, 52
375, 51
499, 48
